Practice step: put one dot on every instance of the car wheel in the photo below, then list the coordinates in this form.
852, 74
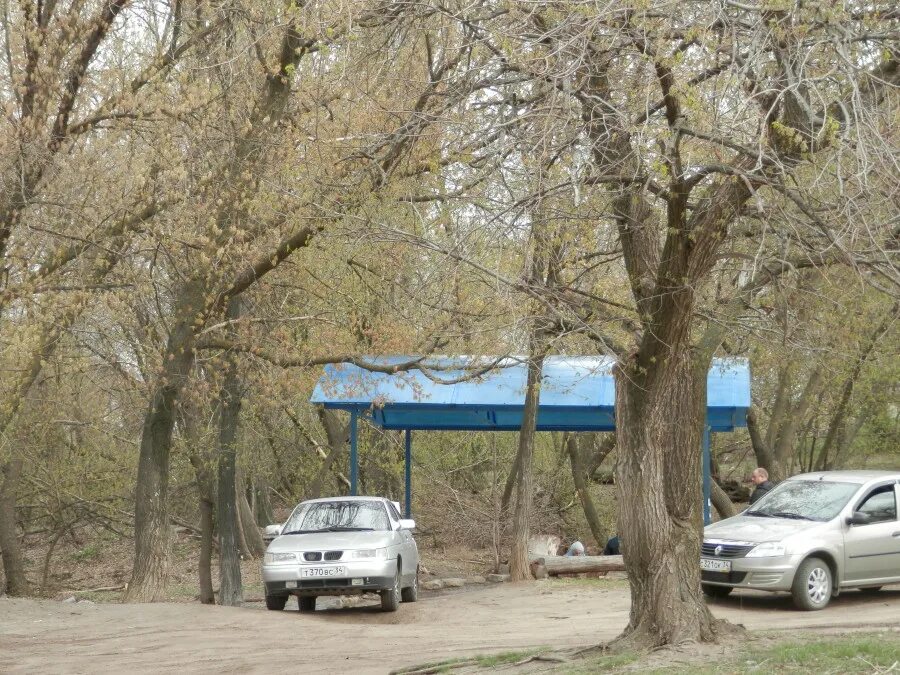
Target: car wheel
390, 599
716, 591
411, 594
868, 590
307, 603
812, 585
276, 602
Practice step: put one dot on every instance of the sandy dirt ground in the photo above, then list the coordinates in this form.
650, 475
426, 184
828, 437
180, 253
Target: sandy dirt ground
49, 636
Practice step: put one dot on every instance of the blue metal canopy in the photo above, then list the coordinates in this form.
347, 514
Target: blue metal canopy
577, 394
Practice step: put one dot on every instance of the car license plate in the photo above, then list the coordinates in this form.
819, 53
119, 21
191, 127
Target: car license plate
323, 572
712, 565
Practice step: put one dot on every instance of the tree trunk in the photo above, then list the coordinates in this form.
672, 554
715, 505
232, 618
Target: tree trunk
338, 438
152, 536
511, 481
255, 547
721, 501
659, 417
764, 455
518, 560
784, 448
230, 584
581, 488
837, 420
603, 445
579, 564
13, 565
263, 508
782, 397
204, 566
207, 507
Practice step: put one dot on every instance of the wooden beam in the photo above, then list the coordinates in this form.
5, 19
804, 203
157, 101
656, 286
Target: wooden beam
561, 564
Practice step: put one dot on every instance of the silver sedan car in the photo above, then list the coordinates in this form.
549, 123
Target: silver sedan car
813, 535
342, 546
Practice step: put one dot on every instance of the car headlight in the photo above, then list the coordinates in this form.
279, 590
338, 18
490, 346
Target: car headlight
768, 550
369, 553
279, 557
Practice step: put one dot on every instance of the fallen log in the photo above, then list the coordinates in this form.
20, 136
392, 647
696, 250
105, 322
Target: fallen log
560, 564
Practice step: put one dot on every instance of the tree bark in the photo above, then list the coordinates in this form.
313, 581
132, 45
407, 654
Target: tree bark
518, 559
206, 500
784, 448
230, 585
16, 583
255, 547
721, 502
764, 455
338, 438
782, 396
659, 418
510, 485
602, 448
581, 489
263, 507
204, 565
152, 536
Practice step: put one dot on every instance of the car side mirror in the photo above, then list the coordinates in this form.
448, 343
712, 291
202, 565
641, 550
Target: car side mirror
859, 518
407, 524
273, 531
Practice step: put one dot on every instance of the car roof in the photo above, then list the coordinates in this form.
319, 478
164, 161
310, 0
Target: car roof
344, 499
848, 476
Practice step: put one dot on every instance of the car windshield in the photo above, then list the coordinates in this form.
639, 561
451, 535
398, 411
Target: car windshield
804, 500
337, 516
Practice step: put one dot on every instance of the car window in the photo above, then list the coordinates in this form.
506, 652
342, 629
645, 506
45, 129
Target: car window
395, 514
804, 500
338, 515
880, 505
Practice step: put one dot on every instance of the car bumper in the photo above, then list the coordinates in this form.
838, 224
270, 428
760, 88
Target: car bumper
766, 574
361, 576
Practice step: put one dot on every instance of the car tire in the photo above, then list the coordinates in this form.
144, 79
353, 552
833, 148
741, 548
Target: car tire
276, 602
711, 591
307, 603
812, 585
411, 593
390, 599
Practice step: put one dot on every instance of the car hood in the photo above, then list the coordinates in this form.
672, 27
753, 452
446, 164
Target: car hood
330, 541
756, 530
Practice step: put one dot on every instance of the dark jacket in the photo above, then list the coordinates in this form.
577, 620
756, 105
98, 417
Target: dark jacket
761, 490
612, 546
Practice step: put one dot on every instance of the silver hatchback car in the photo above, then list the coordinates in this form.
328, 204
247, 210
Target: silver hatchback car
342, 546
813, 535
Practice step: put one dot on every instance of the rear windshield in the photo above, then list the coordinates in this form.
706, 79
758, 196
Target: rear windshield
338, 516
804, 500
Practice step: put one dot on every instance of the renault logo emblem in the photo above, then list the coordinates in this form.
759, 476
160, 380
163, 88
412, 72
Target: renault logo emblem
718, 550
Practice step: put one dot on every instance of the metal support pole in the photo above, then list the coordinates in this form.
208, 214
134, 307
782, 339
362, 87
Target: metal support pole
354, 457
707, 478
408, 476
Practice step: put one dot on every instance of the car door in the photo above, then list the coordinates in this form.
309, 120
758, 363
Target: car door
407, 545
872, 550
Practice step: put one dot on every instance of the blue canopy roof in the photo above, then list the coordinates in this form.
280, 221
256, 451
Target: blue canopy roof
577, 394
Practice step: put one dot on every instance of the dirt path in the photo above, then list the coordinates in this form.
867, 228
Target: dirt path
57, 637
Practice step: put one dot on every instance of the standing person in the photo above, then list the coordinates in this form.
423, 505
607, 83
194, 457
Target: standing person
760, 478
